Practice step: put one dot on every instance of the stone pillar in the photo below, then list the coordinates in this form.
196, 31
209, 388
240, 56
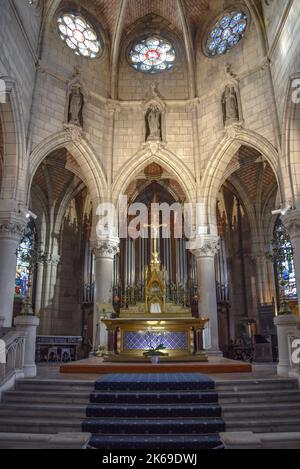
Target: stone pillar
287, 324
27, 325
39, 286
47, 282
10, 235
105, 252
262, 280
292, 223
205, 249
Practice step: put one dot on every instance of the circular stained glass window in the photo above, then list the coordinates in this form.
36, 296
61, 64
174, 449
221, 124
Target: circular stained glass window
152, 55
226, 33
79, 35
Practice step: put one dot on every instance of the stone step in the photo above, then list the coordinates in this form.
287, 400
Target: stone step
266, 425
49, 411
154, 397
156, 442
56, 385
44, 441
153, 426
259, 397
154, 411
257, 385
156, 382
46, 397
260, 411
38, 425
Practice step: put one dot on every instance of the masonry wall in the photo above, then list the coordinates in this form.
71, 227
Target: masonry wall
247, 61
57, 67
19, 32
284, 47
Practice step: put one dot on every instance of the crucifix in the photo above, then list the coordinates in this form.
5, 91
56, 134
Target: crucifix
155, 227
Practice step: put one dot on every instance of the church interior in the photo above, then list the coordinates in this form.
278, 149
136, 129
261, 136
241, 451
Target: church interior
149, 224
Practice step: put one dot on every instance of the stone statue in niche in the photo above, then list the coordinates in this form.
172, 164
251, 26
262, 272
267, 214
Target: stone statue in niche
76, 103
230, 105
153, 118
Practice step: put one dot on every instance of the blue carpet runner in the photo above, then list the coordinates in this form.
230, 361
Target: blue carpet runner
154, 411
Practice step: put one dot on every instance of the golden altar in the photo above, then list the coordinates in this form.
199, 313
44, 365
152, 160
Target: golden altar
173, 325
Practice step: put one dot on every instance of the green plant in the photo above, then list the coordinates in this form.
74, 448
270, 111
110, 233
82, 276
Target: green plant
155, 352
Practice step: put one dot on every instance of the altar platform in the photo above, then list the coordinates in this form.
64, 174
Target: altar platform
214, 365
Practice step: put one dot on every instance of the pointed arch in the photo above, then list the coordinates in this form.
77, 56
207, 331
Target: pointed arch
291, 140
92, 171
216, 167
14, 142
164, 158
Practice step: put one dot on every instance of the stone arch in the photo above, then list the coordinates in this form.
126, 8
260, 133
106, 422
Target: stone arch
291, 141
213, 177
93, 173
246, 205
164, 158
14, 147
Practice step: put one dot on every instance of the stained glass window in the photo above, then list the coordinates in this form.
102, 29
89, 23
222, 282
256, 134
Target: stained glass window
226, 33
79, 35
284, 261
24, 263
152, 55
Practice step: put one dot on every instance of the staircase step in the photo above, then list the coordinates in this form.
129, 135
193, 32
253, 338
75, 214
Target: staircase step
154, 411
266, 425
153, 426
155, 382
152, 442
259, 397
36, 425
49, 411
257, 385
46, 397
55, 385
154, 397
261, 411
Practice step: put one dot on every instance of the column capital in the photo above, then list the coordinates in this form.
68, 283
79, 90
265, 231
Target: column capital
51, 259
12, 228
204, 246
292, 223
106, 248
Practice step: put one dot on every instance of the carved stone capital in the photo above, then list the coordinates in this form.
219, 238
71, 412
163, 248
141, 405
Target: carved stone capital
154, 146
10, 229
292, 223
205, 246
193, 105
74, 132
113, 106
107, 249
233, 130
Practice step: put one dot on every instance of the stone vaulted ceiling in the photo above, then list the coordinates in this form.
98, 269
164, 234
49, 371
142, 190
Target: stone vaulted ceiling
109, 11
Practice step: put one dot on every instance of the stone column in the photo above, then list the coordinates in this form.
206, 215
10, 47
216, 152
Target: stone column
48, 293
27, 325
39, 286
10, 235
292, 223
287, 324
262, 280
205, 253
105, 252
